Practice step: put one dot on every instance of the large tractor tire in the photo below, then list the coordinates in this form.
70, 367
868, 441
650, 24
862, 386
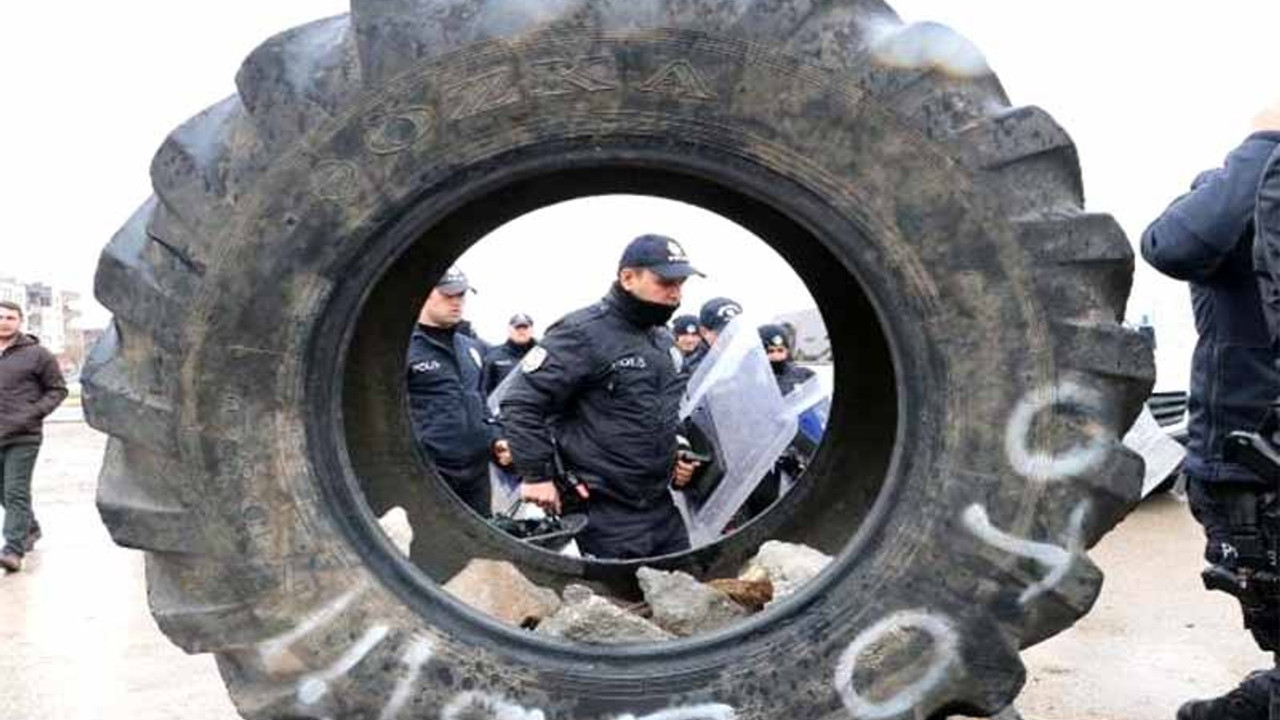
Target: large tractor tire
253, 386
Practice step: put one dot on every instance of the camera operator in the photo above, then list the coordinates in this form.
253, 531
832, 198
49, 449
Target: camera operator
1206, 238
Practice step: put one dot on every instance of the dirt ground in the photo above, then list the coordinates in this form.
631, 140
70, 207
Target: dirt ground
77, 641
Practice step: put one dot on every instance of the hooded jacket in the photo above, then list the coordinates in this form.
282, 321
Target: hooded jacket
31, 387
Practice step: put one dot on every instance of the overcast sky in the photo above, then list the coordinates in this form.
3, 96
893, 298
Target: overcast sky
1150, 95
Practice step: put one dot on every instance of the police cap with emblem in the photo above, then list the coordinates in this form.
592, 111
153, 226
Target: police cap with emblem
774, 336
520, 320
660, 254
717, 312
454, 282
685, 325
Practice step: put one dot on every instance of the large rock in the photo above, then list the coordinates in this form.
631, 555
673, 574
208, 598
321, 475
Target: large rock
786, 565
683, 606
589, 618
501, 590
395, 523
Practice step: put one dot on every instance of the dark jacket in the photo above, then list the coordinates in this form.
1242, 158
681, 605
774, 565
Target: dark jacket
1266, 246
445, 405
694, 359
613, 385
790, 375
31, 387
1206, 238
499, 362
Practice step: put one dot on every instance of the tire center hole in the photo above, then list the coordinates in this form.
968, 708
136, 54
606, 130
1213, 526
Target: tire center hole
444, 496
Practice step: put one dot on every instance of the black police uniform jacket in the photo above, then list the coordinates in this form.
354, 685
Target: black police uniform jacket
1206, 238
612, 383
790, 375
499, 362
446, 407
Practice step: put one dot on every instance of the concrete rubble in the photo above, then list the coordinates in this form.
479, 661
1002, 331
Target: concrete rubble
786, 566
675, 604
683, 606
588, 618
502, 591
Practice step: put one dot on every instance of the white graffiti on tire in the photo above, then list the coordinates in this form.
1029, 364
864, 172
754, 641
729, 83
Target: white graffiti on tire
945, 651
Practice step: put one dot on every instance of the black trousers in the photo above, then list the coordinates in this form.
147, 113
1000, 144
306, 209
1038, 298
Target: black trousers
617, 531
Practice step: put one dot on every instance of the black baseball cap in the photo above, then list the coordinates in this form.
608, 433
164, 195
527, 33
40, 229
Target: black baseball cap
520, 320
454, 282
685, 325
717, 312
774, 336
660, 254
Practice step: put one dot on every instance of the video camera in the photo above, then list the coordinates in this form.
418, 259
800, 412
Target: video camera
1250, 567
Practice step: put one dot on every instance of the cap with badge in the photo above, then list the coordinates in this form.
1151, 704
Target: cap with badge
717, 312
520, 320
660, 254
454, 282
685, 325
774, 336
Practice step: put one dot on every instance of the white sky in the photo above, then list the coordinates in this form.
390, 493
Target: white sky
1152, 94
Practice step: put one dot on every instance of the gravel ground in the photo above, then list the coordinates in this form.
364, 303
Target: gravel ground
77, 641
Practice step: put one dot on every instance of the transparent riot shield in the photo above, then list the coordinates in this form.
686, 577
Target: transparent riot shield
811, 404
733, 400
505, 484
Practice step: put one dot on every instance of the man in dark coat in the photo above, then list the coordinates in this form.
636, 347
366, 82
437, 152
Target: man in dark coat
501, 360
1206, 238
610, 376
446, 407
31, 387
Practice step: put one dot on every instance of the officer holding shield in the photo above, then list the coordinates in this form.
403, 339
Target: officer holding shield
610, 377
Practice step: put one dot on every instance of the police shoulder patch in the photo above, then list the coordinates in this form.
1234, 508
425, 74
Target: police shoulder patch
533, 359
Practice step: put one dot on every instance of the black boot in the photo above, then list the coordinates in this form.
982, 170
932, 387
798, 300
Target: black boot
1250, 700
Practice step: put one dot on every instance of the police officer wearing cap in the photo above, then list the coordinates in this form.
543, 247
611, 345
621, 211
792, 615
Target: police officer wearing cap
789, 375
609, 375
500, 361
777, 346
685, 329
446, 407
715, 314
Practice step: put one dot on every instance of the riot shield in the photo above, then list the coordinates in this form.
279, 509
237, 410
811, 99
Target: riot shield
505, 484
734, 401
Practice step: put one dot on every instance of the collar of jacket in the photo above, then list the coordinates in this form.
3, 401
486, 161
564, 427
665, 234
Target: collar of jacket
641, 313
23, 340
520, 349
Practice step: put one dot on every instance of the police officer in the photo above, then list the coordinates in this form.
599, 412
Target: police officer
714, 315
609, 375
1205, 238
789, 376
685, 329
778, 347
500, 361
446, 407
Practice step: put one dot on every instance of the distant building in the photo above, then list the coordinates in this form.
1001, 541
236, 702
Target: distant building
53, 316
13, 291
46, 317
